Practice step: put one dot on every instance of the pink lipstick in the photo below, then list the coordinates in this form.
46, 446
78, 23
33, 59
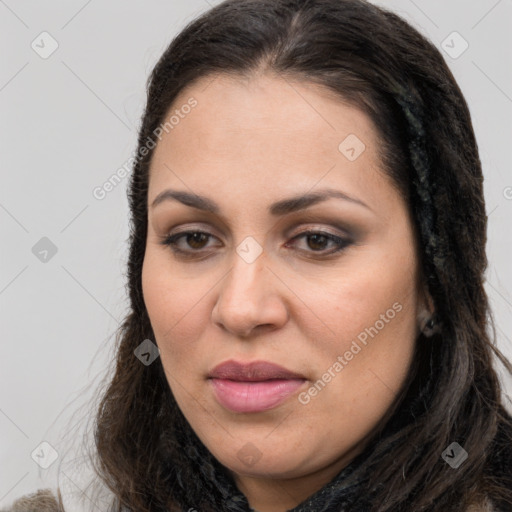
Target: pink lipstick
253, 387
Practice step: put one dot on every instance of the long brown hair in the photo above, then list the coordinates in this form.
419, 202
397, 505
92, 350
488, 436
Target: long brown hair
376, 61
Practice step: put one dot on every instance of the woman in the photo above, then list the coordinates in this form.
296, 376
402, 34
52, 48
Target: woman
308, 255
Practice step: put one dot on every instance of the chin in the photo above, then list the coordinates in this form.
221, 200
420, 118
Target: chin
251, 461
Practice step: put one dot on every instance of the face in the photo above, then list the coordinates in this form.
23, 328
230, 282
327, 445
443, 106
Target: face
326, 288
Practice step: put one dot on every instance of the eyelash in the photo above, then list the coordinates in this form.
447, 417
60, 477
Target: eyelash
171, 242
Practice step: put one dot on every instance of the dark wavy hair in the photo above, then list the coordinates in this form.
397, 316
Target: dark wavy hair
374, 60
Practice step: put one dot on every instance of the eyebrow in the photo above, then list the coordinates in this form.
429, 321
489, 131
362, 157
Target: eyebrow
279, 208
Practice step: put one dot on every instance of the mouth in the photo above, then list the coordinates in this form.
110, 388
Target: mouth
255, 371
254, 387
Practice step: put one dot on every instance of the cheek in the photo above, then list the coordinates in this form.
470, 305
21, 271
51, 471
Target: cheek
375, 315
177, 309
369, 318
357, 301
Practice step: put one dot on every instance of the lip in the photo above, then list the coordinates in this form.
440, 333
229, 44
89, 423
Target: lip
252, 372
254, 387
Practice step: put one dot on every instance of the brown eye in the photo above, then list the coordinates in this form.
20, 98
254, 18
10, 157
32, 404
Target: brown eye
196, 239
318, 241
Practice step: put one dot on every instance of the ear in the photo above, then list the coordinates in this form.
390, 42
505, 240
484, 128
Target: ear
426, 308
425, 301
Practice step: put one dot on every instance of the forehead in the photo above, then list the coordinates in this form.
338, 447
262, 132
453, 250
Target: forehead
266, 134
272, 105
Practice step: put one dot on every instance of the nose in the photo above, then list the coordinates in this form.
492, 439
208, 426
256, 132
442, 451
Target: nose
251, 298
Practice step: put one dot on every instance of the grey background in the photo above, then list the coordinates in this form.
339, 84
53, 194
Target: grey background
70, 121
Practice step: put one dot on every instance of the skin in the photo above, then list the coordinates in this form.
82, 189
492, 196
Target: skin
249, 143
